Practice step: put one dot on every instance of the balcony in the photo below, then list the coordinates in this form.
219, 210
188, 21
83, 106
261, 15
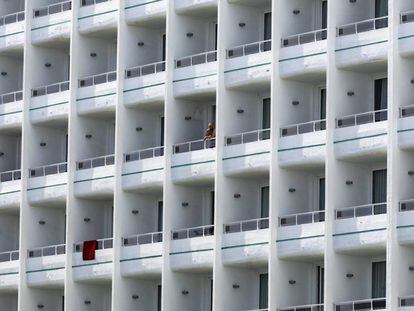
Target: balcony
312, 307
46, 266
47, 185
303, 144
11, 108
247, 152
12, 29
405, 126
361, 43
97, 94
52, 22
360, 227
249, 65
194, 161
405, 34
97, 15
246, 241
10, 185
50, 103
357, 305
361, 135
195, 75
405, 224
99, 269
143, 169
406, 302
304, 54
9, 270
141, 255
195, 6
94, 177
145, 85
145, 11
301, 235
192, 248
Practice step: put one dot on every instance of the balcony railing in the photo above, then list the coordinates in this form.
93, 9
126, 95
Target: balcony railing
357, 305
250, 48
247, 137
144, 154
407, 111
10, 175
11, 97
407, 17
95, 162
50, 89
53, 9
302, 218
194, 145
258, 310
247, 225
362, 26
362, 118
11, 18
107, 243
92, 2
48, 170
9, 256
303, 38
47, 251
302, 128
195, 232
312, 307
197, 59
362, 210
98, 79
407, 301
407, 205
145, 70
141, 239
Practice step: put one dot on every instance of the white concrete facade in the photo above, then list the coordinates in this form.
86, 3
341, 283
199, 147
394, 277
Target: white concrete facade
302, 202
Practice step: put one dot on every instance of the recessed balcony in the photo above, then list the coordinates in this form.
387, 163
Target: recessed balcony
361, 43
246, 242
405, 126
360, 227
406, 302
194, 161
97, 15
12, 29
310, 307
301, 235
11, 108
192, 248
141, 255
249, 65
405, 34
145, 11
94, 177
9, 269
144, 85
143, 169
52, 22
361, 135
97, 94
303, 144
304, 55
99, 269
10, 185
46, 266
50, 103
405, 224
365, 304
195, 75
48, 184
247, 152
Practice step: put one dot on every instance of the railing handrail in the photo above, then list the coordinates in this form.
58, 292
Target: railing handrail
94, 2
404, 202
192, 142
193, 55
241, 222
95, 158
43, 168
11, 93
244, 134
296, 215
247, 44
11, 14
96, 75
49, 85
187, 230
362, 21
297, 125
372, 112
146, 65
11, 171
302, 34
301, 306
10, 253
50, 5
55, 247
141, 235
401, 108
359, 206
13, 175
143, 150
98, 240
359, 301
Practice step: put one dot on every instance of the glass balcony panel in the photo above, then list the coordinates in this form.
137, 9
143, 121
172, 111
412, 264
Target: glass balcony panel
407, 302
63, 168
343, 214
380, 209
365, 26
159, 67
53, 9
8, 176
346, 121
289, 131
199, 59
50, 170
380, 116
108, 243
291, 41
146, 154
195, 232
249, 225
145, 239
159, 152
99, 79
17, 175
182, 148
130, 241
319, 216
287, 221
266, 46
407, 17
235, 52
407, 111
364, 118
264, 135
98, 162
263, 223
10, 19
53, 89
84, 165
61, 249
251, 48
250, 137
49, 251
211, 57
381, 23
109, 160
157, 237
35, 253
347, 30
305, 128
179, 235
208, 231
86, 82
8, 98
407, 206
320, 125
363, 211
147, 70
321, 35
232, 228
307, 38
4, 257
15, 255
304, 219
234, 140
67, 6
344, 307
197, 145
184, 62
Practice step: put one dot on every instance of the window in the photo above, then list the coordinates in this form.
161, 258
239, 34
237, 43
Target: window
159, 298
324, 21
381, 8
322, 194
264, 212
266, 114
164, 47
212, 206
380, 94
378, 279
379, 186
160, 211
263, 291
322, 110
267, 35
162, 129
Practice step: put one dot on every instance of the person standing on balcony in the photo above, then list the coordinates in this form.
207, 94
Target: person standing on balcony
210, 132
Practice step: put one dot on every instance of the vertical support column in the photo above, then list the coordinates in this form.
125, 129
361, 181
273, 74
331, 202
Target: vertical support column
393, 157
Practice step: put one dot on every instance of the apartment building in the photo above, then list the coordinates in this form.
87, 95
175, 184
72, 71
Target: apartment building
301, 201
